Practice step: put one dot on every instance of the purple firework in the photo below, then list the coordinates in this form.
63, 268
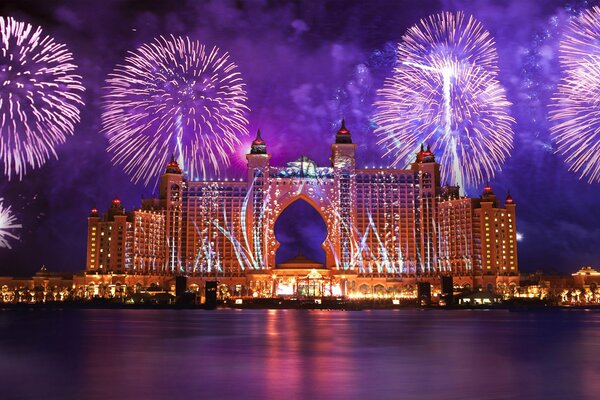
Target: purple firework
445, 91
8, 225
575, 111
174, 96
40, 96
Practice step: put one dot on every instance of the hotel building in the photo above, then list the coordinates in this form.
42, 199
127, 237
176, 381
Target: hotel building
387, 229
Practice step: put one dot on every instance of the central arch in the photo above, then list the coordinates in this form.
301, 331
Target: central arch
300, 229
284, 202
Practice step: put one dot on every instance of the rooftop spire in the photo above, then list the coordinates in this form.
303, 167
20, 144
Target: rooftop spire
343, 129
258, 139
343, 134
258, 144
509, 199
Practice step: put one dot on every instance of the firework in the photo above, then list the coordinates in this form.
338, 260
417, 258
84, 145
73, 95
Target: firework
445, 92
174, 96
575, 110
40, 96
7, 225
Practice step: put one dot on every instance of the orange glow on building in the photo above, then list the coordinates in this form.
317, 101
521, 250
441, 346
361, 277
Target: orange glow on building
386, 227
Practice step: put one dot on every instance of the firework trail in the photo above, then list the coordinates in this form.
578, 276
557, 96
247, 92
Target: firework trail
445, 92
575, 108
7, 225
174, 96
40, 96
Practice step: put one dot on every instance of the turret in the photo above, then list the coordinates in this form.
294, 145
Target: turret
343, 150
170, 194
489, 196
425, 156
258, 158
344, 165
116, 208
429, 177
171, 180
172, 166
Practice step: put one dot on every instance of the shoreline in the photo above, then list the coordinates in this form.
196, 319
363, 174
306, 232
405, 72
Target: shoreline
308, 304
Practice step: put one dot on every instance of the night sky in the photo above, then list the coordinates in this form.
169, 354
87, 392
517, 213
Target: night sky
306, 64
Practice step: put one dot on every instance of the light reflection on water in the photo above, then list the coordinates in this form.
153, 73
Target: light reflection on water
290, 354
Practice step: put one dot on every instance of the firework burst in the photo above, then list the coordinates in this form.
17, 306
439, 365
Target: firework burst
40, 96
7, 225
575, 108
445, 92
174, 96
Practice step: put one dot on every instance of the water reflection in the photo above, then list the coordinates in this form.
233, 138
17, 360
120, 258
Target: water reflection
288, 354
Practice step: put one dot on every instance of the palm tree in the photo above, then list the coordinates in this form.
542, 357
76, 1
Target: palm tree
577, 294
564, 296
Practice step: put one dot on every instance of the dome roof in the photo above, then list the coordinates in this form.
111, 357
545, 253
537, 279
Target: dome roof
425, 155
173, 166
509, 199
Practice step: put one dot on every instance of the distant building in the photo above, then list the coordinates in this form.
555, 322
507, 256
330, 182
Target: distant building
587, 277
385, 227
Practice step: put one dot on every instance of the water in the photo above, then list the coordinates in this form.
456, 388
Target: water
298, 354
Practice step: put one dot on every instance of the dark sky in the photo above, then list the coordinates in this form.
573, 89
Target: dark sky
306, 64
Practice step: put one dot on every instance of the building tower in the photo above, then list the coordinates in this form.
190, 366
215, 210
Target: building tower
343, 161
427, 177
107, 240
511, 265
258, 174
170, 198
93, 240
498, 234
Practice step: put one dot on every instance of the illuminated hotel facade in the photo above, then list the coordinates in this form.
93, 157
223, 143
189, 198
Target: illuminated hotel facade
387, 229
